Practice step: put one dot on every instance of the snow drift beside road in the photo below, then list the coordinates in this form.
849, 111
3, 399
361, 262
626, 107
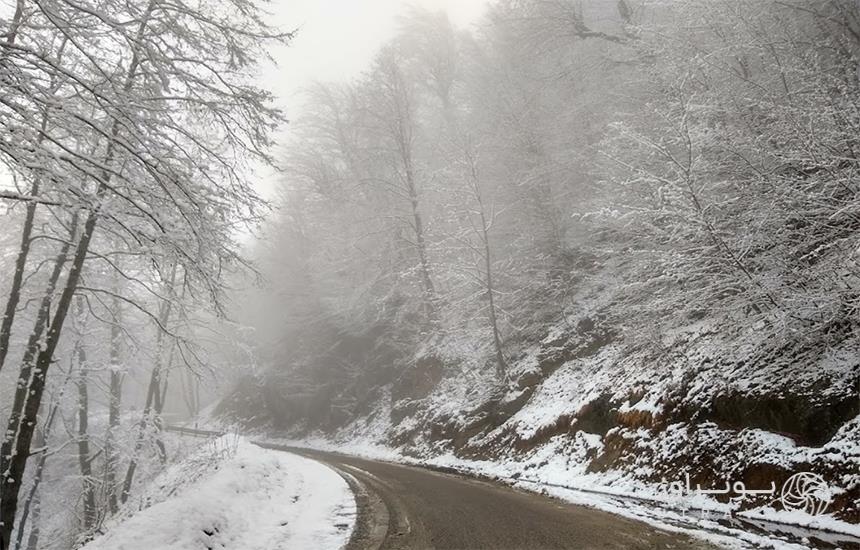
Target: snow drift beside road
234, 495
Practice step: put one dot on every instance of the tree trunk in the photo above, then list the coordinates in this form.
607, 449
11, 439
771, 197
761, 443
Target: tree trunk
190, 392
33, 539
138, 444
429, 290
114, 402
32, 504
484, 235
84, 459
161, 389
154, 403
420, 241
501, 364
17, 276
404, 138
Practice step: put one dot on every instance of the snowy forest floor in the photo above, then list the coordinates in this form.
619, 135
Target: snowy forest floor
232, 494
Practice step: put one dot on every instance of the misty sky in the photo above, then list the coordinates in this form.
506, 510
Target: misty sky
338, 38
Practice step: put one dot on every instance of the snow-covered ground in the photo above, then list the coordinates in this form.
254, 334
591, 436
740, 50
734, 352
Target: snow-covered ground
231, 494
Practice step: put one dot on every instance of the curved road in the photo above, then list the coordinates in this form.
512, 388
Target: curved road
404, 507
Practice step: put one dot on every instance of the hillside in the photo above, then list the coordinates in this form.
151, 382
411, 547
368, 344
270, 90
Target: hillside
586, 407
611, 244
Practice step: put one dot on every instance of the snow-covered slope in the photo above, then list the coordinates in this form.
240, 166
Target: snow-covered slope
234, 495
584, 408
627, 392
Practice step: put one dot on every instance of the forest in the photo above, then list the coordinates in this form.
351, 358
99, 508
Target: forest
128, 129
633, 167
576, 219
582, 238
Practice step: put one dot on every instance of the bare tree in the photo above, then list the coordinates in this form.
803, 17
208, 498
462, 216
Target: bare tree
395, 115
134, 171
481, 221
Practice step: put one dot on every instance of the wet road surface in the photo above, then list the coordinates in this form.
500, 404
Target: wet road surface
405, 507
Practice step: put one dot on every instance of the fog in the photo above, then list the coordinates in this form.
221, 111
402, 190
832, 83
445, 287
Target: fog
567, 243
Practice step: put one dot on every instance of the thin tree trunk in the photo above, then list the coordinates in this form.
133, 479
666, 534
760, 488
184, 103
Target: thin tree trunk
429, 290
501, 364
420, 241
484, 235
31, 502
138, 444
161, 390
157, 409
84, 459
154, 402
404, 143
33, 539
190, 390
114, 403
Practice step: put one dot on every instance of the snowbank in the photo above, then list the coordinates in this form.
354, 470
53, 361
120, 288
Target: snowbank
235, 495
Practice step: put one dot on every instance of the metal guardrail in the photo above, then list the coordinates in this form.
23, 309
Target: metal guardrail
193, 431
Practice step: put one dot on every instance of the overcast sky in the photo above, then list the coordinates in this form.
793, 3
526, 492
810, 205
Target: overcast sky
338, 38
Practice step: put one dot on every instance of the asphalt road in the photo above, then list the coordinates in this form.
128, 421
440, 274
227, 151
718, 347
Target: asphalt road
404, 507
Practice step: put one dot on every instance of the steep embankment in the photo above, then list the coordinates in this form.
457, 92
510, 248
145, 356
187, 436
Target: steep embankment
588, 403
583, 408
